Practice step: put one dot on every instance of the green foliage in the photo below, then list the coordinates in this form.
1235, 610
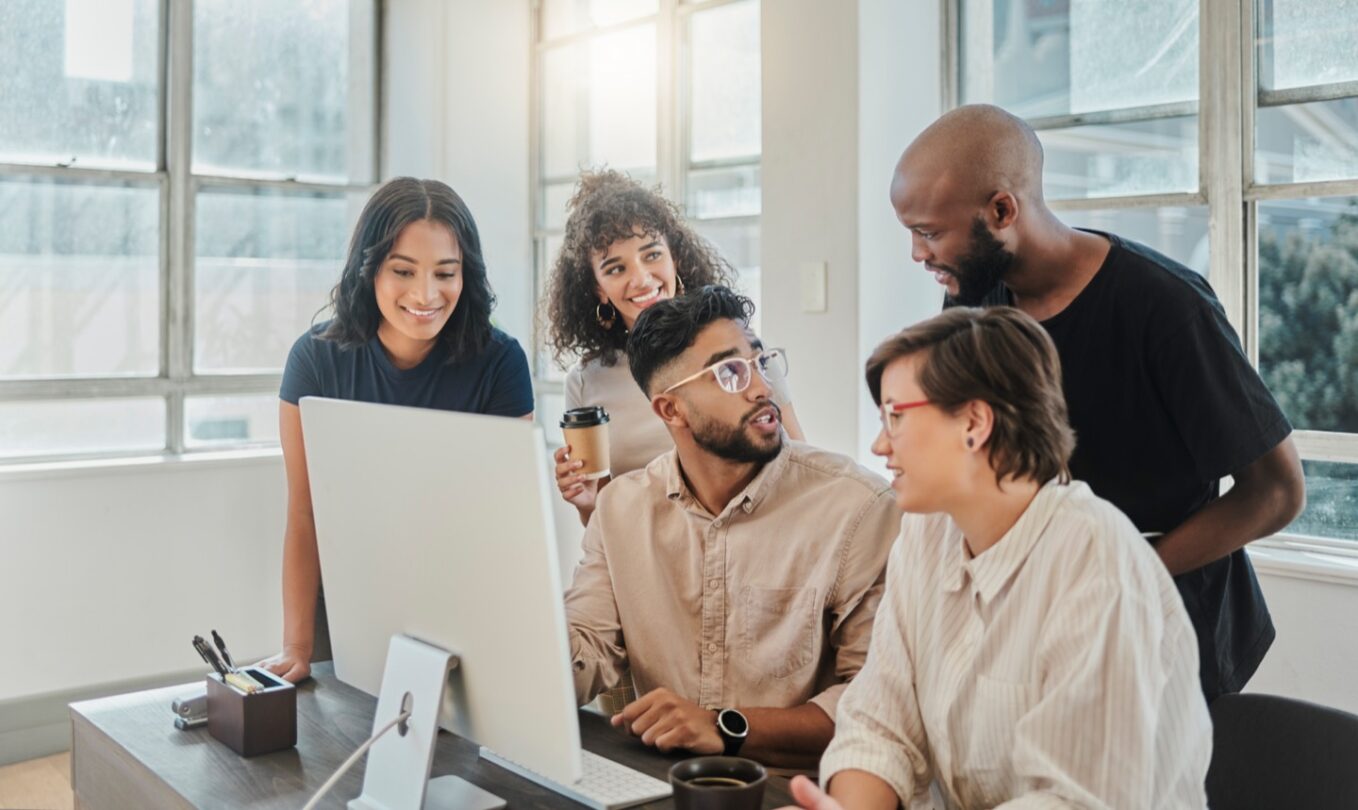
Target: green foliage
1308, 324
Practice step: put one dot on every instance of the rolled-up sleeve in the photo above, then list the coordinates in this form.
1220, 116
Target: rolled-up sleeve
858, 591
879, 728
597, 654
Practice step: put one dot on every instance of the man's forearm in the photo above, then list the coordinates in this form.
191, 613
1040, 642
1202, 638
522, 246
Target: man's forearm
1267, 496
788, 738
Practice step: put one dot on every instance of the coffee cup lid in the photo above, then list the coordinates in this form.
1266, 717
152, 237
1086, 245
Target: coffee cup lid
584, 417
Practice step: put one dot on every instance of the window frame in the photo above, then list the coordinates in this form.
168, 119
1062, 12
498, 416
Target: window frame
178, 187
1229, 96
674, 105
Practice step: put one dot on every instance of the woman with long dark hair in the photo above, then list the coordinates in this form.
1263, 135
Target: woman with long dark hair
411, 327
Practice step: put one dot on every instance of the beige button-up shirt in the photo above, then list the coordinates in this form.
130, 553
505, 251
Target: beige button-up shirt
768, 604
1057, 669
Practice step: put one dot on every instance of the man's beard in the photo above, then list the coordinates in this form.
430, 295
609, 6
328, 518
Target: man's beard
981, 268
732, 443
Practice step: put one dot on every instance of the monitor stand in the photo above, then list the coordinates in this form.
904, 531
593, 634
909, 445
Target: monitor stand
397, 776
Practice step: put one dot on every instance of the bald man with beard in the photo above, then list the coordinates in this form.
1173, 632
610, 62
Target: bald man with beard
1162, 398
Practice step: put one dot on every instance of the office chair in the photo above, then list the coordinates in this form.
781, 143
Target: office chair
1274, 752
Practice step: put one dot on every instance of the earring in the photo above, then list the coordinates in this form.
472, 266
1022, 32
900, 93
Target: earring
678, 285
606, 322
971, 442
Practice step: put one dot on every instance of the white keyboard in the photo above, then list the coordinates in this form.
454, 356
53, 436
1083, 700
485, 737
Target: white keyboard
606, 785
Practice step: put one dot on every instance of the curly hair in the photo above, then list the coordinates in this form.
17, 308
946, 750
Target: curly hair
607, 207
398, 203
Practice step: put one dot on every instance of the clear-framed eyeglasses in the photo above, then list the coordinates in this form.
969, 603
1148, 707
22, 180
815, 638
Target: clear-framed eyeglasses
734, 373
891, 414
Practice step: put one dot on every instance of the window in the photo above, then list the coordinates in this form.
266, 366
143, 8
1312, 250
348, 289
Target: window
1141, 142
177, 184
666, 91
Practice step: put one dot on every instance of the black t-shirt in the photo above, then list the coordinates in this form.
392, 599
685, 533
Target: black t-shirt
1165, 403
495, 382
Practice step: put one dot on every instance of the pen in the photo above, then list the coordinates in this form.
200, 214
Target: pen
208, 655
226, 656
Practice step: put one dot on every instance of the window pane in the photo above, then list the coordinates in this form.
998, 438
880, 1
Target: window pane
1178, 232
738, 243
63, 427
1308, 309
726, 113
231, 420
548, 369
562, 17
1331, 501
599, 104
276, 92
549, 410
78, 80
1148, 157
554, 199
1306, 42
733, 192
79, 279
1054, 58
1301, 143
266, 264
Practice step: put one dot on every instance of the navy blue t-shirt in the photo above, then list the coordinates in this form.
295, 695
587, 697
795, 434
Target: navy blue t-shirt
495, 382
1165, 403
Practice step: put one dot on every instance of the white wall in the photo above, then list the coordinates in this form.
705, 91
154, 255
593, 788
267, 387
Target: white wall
109, 572
810, 205
1315, 656
846, 86
899, 63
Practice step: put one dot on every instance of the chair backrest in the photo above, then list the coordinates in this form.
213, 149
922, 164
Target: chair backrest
1275, 752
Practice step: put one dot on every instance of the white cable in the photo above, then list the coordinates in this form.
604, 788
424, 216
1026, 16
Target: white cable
354, 757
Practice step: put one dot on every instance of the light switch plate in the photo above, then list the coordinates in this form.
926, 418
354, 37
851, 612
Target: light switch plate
813, 286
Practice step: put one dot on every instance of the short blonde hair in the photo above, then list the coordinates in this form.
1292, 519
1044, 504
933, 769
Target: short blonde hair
1002, 357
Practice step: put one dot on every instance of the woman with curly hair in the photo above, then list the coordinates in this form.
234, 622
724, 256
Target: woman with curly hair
411, 327
625, 248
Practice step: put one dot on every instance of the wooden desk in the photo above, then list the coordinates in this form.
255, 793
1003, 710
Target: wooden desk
126, 753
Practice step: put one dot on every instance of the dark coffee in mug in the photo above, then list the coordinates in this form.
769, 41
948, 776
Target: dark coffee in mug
716, 781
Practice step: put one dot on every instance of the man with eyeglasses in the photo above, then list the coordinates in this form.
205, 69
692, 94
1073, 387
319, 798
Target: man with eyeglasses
736, 576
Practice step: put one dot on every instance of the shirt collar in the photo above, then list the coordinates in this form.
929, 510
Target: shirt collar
747, 499
993, 569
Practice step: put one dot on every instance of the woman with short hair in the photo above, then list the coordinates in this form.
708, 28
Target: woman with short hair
1031, 649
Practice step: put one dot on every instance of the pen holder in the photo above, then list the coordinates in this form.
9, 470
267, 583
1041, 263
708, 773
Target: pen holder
252, 724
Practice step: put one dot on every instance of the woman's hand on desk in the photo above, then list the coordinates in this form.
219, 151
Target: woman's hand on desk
292, 664
575, 490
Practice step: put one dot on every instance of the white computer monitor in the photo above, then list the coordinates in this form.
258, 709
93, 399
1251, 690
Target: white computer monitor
437, 525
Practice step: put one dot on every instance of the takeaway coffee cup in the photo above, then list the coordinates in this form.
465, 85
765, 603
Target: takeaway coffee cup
586, 431
718, 783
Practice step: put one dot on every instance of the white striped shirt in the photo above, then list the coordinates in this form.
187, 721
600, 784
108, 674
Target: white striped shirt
1056, 669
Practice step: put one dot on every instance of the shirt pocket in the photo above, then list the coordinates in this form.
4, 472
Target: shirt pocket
996, 712
778, 629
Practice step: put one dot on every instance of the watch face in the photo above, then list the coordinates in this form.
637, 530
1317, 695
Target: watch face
733, 723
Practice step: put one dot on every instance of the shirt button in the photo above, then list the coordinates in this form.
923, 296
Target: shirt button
714, 584
712, 647
717, 523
